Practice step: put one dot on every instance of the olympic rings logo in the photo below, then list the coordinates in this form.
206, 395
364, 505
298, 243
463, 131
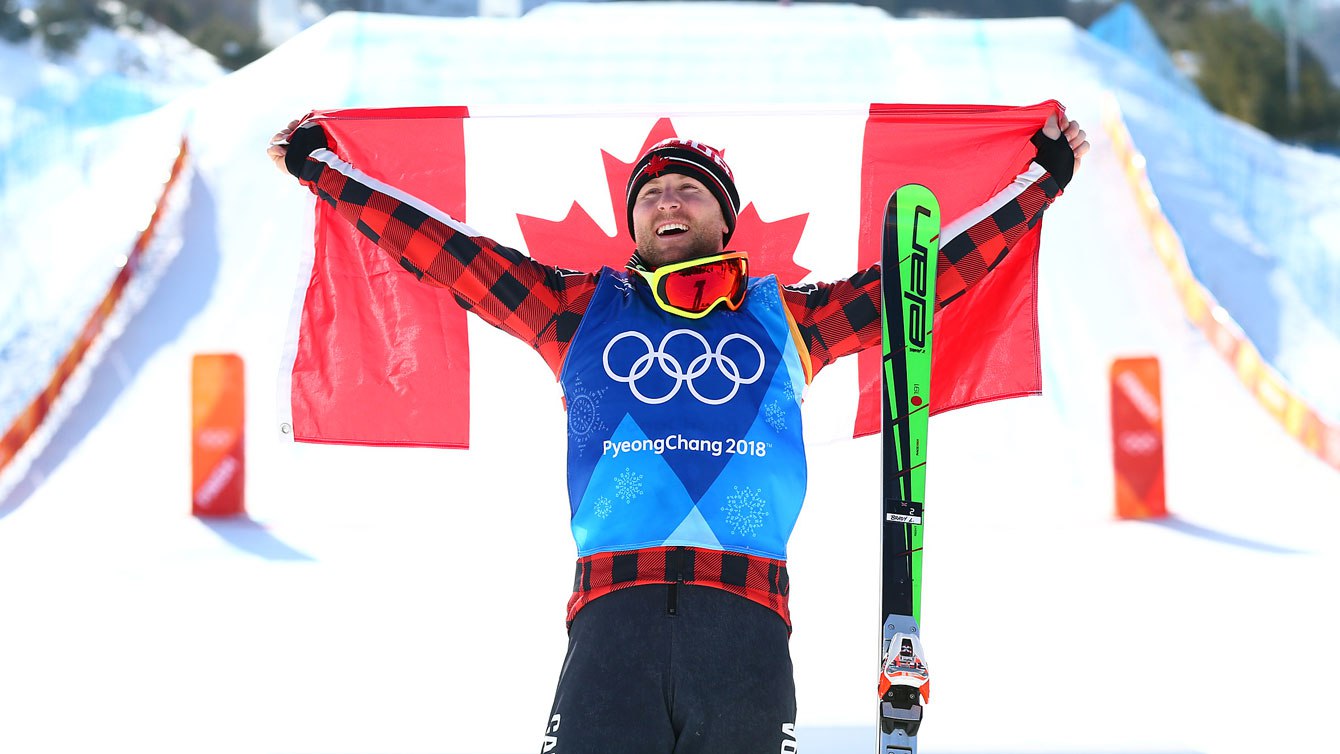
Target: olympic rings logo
1138, 443
669, 365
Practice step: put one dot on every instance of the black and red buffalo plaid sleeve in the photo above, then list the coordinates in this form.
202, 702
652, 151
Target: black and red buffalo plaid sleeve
537, 303
542, 305
841, 318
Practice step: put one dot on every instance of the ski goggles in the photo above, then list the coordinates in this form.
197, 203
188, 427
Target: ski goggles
695, 287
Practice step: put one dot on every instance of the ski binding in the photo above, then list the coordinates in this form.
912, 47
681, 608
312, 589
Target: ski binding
904, 685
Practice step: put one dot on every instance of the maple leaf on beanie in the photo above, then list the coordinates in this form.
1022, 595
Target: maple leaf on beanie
694, 159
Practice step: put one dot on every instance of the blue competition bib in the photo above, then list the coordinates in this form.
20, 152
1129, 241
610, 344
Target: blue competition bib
681, 431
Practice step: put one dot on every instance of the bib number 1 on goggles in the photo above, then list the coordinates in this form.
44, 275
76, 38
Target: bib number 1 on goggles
695, 287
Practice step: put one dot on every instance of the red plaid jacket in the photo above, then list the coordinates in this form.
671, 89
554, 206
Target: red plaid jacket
543, 305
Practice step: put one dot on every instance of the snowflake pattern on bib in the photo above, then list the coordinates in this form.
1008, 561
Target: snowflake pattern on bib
584, 420
628, 486
745, 511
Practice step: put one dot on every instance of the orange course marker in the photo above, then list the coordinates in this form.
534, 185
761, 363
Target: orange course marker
218, 459
1137, 438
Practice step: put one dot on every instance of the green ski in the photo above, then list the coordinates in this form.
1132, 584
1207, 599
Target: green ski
908, 265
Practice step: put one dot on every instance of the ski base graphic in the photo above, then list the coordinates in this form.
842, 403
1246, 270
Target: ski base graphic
908, 266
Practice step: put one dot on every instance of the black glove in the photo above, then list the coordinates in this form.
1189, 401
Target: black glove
1053, 154
304, 140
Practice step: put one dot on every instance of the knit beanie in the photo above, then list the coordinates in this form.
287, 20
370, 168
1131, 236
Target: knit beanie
694, 159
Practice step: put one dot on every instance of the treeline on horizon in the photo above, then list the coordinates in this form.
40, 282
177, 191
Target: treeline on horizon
1238, 60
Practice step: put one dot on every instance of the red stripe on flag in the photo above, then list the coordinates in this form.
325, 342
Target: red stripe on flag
351, 382
986, 342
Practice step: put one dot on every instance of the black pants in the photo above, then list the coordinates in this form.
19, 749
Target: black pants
674, 669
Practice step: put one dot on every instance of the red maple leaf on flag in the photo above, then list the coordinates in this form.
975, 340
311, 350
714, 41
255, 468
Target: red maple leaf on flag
577, 242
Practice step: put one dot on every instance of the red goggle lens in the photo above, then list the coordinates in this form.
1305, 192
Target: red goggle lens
698, 288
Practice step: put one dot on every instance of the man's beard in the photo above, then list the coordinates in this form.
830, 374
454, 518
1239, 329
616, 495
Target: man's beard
702, 243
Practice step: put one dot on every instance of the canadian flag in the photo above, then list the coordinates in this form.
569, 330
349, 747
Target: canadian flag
379, 358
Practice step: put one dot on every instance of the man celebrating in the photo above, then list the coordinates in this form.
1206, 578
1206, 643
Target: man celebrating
686, 476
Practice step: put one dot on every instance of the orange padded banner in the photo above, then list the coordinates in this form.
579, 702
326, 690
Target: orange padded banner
218, 461
1137, 438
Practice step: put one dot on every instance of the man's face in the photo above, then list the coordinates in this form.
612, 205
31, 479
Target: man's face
675, 218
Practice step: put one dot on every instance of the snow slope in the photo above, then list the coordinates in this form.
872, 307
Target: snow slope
86, 140
1258, 219
350, 612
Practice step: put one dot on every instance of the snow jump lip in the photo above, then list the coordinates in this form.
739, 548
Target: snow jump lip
1271, 390
26, 435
